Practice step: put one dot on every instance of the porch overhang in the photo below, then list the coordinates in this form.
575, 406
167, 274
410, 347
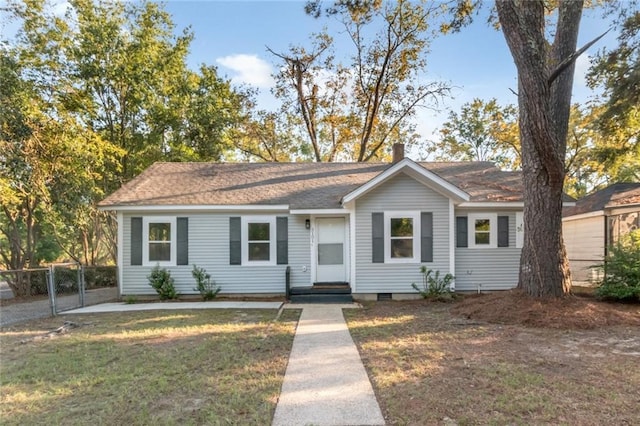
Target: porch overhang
416, 172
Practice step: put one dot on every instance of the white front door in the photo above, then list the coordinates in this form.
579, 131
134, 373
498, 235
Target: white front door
330, 250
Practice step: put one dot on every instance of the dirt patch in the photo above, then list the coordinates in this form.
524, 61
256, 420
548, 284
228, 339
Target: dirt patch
504, 361
575, 312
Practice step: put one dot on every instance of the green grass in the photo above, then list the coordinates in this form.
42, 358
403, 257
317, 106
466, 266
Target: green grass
163, 368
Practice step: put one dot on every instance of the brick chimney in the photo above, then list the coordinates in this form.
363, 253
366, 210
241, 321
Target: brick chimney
398, 152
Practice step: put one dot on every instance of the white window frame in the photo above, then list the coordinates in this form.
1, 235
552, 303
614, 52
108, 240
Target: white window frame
271, 220
519, 229
493, 230
146, 221
415, 215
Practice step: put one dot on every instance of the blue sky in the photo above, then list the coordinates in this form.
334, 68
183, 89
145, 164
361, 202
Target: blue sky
234, 35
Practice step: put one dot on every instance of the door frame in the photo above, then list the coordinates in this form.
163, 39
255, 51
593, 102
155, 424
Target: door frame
314, 245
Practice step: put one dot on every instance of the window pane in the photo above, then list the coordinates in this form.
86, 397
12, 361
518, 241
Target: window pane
482, 238
258, 232
483, 225
159, 232
330, 254
402, 248
159, 252
259, 251
402, 227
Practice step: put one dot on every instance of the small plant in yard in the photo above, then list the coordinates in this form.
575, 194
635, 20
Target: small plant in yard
434, 286
162, 282
622, 277
130, 300
205, 285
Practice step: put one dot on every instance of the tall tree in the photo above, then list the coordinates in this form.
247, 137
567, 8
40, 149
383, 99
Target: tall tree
545, 80
109, 84
356, 111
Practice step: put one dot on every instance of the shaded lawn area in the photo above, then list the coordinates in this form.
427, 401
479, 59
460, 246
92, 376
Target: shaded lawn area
431, 366
153, 367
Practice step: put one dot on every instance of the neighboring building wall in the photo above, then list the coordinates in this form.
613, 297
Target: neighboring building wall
399, 193
209, 248
488, 268
584, 241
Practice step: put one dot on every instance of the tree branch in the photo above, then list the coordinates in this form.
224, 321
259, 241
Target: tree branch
571, 59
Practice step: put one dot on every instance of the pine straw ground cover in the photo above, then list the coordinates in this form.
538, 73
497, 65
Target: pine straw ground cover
502, 358
141, 368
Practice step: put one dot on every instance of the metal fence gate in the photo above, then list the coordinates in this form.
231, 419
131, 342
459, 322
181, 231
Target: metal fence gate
65, 285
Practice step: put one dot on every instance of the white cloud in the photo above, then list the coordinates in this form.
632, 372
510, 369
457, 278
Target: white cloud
249, 69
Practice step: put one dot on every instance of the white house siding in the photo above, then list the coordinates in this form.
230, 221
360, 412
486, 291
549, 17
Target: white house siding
399, 193
584, 241
488, 268
209, 248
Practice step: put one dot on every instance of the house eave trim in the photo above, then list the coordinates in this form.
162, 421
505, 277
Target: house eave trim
183, 208
318, 211
583, 216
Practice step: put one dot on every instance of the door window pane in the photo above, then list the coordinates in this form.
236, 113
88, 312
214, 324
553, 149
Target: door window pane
330, 254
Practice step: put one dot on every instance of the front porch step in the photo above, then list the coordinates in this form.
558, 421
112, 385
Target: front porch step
321, 298
334, 292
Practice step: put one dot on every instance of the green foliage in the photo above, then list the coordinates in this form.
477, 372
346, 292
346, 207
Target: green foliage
205, 285
622, 279
162, 282
434, 286
483, 131
87, 102
130, 300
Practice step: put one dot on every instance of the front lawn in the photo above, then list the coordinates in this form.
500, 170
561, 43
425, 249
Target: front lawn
429, 365
154, 367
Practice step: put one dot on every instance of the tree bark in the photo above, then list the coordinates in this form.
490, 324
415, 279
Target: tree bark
544, 116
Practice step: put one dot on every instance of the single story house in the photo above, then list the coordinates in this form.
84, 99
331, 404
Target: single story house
368, 225
594, 223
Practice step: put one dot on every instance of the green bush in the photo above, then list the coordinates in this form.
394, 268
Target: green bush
622, 270
162, 282
433, 286
205, 286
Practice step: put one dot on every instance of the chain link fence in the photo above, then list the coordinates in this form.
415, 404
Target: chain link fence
65, 286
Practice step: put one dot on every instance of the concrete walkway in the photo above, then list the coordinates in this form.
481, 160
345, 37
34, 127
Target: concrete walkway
325, 382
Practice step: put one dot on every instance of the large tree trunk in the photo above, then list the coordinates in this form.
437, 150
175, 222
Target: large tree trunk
544, 104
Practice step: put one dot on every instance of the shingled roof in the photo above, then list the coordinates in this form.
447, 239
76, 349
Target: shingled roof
616, 195
298, 185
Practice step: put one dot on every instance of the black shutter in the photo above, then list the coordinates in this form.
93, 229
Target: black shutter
136, 241
462, 239
503, 231
377, 237
182, 232
235, 241
282, 240
426, 237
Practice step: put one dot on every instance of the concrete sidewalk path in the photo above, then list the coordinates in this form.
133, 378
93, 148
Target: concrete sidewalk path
325, 382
